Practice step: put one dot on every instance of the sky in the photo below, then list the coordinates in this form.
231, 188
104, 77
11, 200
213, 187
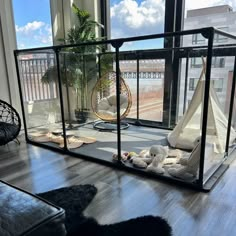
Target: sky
128, 18
32, 23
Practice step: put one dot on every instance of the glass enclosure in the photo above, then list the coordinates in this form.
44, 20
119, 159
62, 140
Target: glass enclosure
166, 112
40, 98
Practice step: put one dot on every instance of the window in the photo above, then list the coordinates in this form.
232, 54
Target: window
220, 38
218, 84
192, 83
123, 21
32, 23
218, 62
196, 62
198, 39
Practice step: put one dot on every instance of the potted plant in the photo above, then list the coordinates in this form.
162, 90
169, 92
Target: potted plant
78, 64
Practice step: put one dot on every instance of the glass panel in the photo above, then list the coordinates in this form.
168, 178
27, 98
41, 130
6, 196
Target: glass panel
234, 113
32, 23
144, 73
226, 110
39, 85
198, 39
218, 108
78, 74
205, 15
150, 77
129, 73
187, 133
138, 141
151, 89
135, 18
89, 94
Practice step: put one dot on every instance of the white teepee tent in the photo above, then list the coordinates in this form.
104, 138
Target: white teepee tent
188, 130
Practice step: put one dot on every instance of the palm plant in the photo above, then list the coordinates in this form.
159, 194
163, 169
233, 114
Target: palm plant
85, 30
78, 63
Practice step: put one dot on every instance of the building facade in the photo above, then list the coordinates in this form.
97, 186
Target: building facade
223, 18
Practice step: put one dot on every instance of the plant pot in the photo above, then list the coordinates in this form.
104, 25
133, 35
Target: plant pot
81, 115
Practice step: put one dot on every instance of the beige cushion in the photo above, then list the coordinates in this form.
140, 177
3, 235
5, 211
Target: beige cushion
107, 106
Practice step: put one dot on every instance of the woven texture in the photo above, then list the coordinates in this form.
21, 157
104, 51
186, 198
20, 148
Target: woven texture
10, 123
105, 88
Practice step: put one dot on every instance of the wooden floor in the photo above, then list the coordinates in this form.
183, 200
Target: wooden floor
121, 195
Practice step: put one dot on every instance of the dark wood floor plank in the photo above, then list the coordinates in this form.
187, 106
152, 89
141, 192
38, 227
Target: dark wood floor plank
122, 195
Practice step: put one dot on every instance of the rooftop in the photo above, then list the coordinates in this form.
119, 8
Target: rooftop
209, 10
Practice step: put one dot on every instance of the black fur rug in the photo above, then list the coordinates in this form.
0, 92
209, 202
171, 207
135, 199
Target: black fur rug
76, 198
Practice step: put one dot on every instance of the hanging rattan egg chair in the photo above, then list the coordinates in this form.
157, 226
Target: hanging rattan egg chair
104, 102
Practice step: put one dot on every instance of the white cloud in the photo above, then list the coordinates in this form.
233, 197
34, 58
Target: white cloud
43, 38
21, 45
130, 18
34, 34
29, 27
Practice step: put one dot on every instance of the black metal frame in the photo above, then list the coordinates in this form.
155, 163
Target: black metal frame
103, 12
176, 52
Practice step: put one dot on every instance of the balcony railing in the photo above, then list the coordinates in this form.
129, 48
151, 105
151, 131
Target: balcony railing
32, 71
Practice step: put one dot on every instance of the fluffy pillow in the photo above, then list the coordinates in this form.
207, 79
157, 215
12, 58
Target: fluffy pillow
103, 104
112, 100
107, 106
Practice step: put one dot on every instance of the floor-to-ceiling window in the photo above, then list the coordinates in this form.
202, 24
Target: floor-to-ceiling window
32, 23
220, 15
129, 18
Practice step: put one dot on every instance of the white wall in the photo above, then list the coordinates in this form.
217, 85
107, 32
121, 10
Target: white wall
4, 89
8, 79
